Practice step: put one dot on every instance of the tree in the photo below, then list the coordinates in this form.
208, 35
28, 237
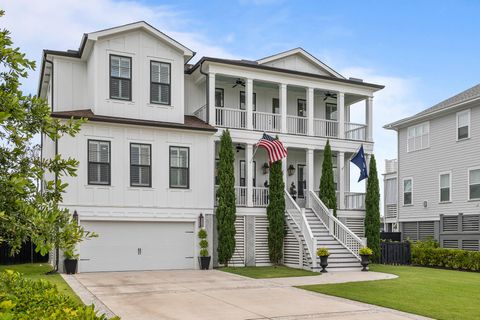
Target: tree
327, 184
372, 211
276, 213
26, 211
226, 209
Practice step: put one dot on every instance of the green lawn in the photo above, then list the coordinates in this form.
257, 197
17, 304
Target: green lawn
36, 271
435, 293
269, 272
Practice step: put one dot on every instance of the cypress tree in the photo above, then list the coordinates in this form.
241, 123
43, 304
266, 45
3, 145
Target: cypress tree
275, 213
226, 209
327, 184
372, 213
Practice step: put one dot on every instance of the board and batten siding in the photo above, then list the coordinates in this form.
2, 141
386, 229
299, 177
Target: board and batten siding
444, 154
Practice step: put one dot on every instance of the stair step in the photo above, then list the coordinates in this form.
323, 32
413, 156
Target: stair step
343, 265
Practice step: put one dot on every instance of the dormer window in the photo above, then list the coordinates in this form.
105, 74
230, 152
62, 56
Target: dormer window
120, 77
160, 82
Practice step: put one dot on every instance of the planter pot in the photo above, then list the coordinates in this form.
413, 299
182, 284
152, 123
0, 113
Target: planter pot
324, 263
365, 261
204, 262
71, 266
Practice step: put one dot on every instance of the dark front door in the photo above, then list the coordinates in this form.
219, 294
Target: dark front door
301, 182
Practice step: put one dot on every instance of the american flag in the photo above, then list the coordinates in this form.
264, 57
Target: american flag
275, 149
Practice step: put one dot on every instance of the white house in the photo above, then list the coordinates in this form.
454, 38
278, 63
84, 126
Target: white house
146, 180
439, 172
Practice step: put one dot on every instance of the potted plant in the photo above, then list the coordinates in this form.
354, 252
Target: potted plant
323, 254
204, 259
71, 261
365, 254
293, 191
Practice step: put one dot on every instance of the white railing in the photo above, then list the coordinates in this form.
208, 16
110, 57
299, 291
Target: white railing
355, 200
391, 211
325, 128
336, 228
355, 131
300, 220
264, 121
240, 196
297, 125
260, 196
391, 166
201, 113
230, 118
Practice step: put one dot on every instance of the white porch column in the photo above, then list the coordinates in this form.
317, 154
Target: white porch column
310, 110
310, 173
249, 102
249, 173
284, 169
341, 114
341, 180
211, 99
369, 118
282, 97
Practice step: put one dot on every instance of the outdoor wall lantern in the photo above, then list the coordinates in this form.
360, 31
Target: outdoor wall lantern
75, 216
265, 168
200, 220
291, 170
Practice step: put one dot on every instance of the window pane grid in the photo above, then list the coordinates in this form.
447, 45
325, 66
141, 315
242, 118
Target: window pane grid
160, 82
140, 165
120, 77
418, 137
98, 162
179, 167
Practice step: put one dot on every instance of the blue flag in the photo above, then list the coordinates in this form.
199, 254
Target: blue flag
361, 163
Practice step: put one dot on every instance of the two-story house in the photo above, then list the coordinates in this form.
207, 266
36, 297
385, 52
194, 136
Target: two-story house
147, 176
439, 172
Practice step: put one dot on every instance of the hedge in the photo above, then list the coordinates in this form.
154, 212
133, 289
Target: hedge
25, 299
429, 254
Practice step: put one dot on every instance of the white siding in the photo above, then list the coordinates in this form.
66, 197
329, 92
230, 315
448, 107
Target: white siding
70, 84
297, 63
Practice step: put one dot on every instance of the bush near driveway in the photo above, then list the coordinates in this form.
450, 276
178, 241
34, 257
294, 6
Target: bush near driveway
427, 253
25, 299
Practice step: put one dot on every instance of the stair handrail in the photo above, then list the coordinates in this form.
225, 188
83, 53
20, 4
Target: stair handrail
335, 227
201, 113
298, 217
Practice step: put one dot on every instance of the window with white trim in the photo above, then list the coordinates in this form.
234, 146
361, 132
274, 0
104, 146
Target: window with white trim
445, 186
391, 191
418, 137
160, 87
140, 165
179, 167
463, 125
407, 191
120, 77
474, 184
99, 162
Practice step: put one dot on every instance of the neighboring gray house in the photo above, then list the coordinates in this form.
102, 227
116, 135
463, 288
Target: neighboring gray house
439, 172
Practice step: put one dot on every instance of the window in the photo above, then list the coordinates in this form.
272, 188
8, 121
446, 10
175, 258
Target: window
242, 173
98, 162
335, 170
120, 77
391, 191
140, 165
243, 103
463, 125
418, 137
331, 111
407, 191
474, 184
275, 105
219, 97
445, 186
179, 167
302, 107
160, 76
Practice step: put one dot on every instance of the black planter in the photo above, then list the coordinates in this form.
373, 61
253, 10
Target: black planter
204, 262
365, 261
71, 266
323, 263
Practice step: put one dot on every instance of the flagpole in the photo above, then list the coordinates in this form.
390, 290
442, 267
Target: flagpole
355, 153
255, 151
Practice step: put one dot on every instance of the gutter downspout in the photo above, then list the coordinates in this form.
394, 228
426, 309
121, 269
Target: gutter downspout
207, 84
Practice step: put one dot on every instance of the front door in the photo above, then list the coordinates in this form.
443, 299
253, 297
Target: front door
302, 112
301, 182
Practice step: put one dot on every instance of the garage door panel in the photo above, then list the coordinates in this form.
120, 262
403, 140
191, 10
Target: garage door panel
123, 246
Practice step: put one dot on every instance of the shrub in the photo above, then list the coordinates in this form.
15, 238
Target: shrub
25, 299
366, 251
203, 252
202, 235
323, 252
203, 244
427, 253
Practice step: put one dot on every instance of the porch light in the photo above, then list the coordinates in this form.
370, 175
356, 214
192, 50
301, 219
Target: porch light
200, 220
291, 170
265, 168
75, 216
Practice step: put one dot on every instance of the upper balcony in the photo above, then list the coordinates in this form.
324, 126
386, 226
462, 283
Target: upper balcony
391, 166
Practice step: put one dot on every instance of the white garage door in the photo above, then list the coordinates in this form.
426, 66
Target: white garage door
122, 246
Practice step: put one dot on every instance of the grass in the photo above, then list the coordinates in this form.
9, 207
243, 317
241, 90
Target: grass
269, 272
37, 271
435, 293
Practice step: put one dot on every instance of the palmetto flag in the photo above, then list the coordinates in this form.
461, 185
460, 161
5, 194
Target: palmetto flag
275, 149
359, 160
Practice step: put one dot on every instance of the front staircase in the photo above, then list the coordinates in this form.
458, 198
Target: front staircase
316, 227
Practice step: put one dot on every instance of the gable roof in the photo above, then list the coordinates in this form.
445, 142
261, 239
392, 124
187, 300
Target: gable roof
460, 99
302, 52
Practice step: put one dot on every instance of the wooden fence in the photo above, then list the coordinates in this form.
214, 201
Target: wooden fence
397, 253
27, 254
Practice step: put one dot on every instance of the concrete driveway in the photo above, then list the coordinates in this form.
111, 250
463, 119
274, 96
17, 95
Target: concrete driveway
194, 294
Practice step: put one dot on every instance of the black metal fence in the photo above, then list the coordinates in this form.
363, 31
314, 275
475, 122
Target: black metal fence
391, 236
27, 254
397, 253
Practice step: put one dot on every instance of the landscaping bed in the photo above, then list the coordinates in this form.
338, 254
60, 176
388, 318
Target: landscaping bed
269, 272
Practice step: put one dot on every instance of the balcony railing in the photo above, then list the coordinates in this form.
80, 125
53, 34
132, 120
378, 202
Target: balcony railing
355, 131
355, 200
391, 166
325, 128
260, 196
231, 118
391, 211
297, 125
241, 196
264, 121
201, 113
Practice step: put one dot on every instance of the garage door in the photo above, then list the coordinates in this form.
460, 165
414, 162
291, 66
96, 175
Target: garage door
123, 246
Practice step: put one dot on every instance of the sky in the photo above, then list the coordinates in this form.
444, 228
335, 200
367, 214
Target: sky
422, 51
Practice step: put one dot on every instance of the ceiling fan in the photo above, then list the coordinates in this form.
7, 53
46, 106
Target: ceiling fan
330, 95
239, 82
